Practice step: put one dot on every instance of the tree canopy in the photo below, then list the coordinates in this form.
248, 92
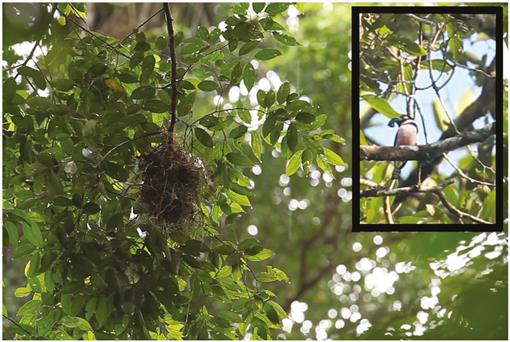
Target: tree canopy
260, 155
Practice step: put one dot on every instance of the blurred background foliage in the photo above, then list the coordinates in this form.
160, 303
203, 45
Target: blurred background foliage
342, 285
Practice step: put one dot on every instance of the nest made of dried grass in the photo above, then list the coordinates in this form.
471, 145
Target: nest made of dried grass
171, 182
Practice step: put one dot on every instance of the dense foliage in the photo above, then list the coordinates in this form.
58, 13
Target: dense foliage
336, 285
101, 263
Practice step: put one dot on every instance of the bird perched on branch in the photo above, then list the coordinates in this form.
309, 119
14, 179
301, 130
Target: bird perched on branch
407, 134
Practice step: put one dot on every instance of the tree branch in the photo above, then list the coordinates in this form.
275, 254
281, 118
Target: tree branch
328, 269
171, 46
457, 212
378, 192
428, 151
17, 324
483, 104
93, 34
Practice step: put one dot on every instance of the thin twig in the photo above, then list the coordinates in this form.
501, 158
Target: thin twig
116, 147
462, 174
93, 35
139, 26
171, 47
17, 324
368, 182
29, 57
403, 190
421, 20
457, 212
455, 64
387, 210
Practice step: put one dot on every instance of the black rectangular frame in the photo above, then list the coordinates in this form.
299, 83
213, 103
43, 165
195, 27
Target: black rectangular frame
451, 227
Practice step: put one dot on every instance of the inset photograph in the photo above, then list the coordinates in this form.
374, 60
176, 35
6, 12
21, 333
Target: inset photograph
428, 101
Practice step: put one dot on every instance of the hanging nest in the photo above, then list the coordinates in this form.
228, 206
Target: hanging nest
171, 182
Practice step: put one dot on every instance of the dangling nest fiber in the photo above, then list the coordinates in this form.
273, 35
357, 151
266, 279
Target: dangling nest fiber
171, 179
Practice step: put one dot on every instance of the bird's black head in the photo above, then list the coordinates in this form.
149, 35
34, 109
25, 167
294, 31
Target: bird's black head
399, 120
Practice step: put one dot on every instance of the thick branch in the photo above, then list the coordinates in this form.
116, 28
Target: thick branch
171, 46
429, 151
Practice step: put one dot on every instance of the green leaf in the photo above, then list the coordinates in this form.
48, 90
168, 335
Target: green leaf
238, 132
103, 309
192, 45
66, 301
294, 163
249, 76
239, 189
185, 104
272, 274
161, 43
269, 98
239, 159
39, 103
142, 46
91, 208
275, 133
333, 158
264, 254
283, 92
409, 46
267, 54
33, 234
299, 105
239, 199
256, 144
225, 249
128, 77
12, 233
381, 105
258, 6
148, 66
29, 308
285, 39
204, 137
261, 96
323, 165
76, 322
143, 92
248, 47
249, 243
156, 106
275, 8
97, 70
208, 85
235, 75
305, 117
34, 74
279, 310
455, 45
268, 126
292, 137
63, 84
269, 24
22, 292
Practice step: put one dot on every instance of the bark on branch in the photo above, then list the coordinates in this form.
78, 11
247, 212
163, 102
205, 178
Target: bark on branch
428, 151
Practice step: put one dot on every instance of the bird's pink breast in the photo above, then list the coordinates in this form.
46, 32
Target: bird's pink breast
406, 135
